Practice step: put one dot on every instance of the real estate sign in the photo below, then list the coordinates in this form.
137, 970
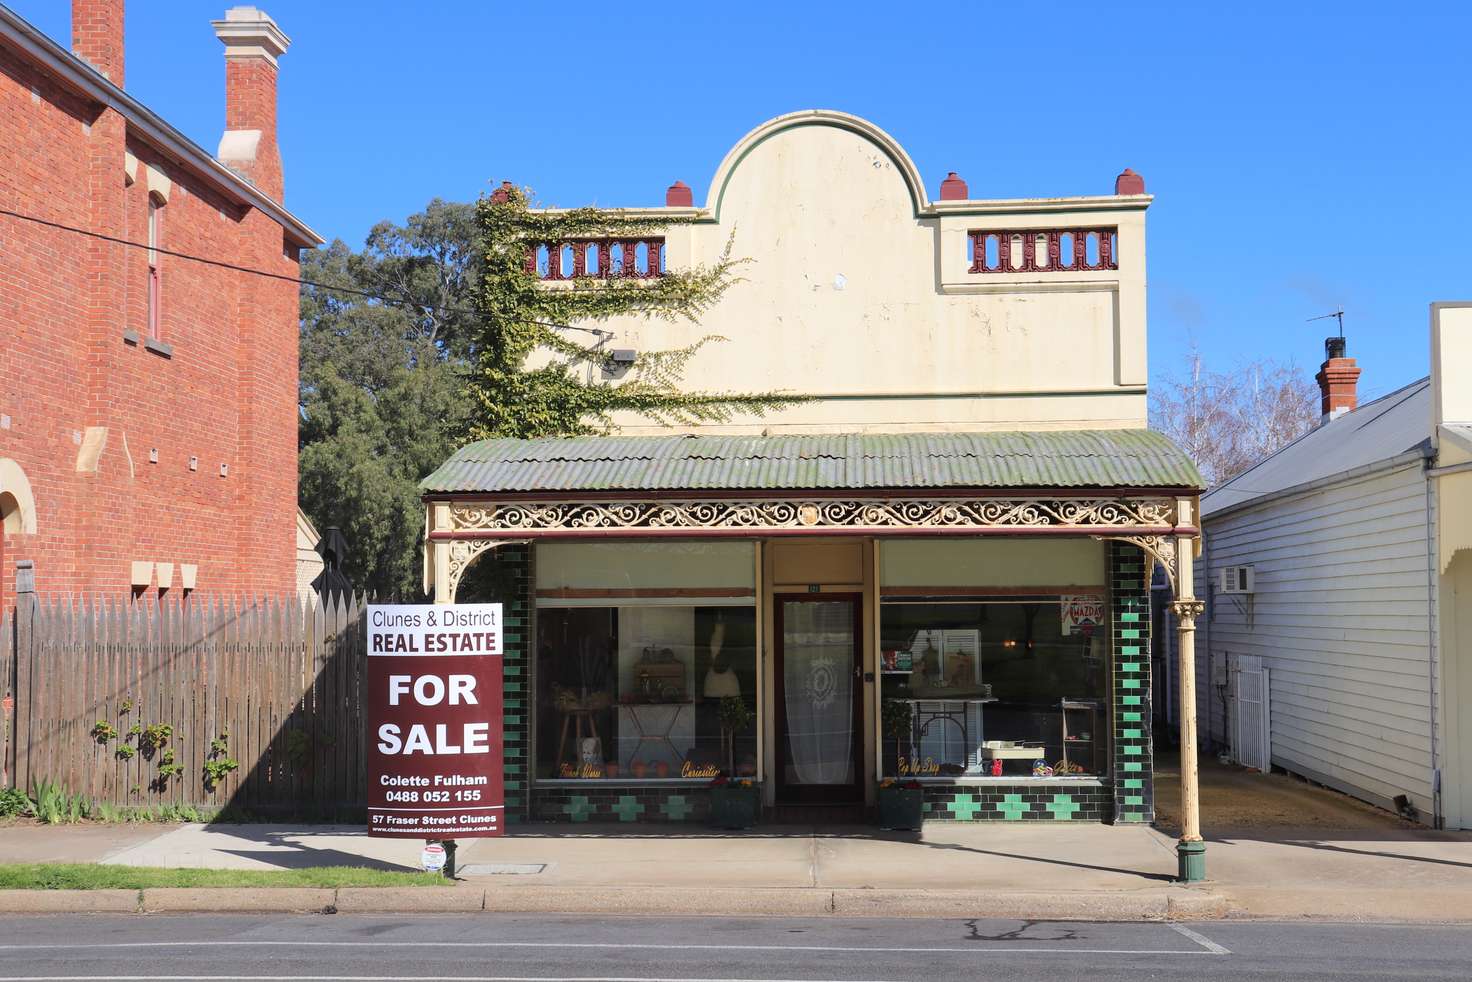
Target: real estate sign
434, 721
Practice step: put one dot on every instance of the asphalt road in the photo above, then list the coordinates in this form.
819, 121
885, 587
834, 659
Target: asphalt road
526, 948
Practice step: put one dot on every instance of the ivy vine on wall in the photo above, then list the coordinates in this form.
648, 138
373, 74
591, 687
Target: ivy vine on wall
515, 395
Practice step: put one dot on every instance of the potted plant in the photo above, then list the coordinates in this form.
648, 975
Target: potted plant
735, 717
895, 717
735, 803
901, 804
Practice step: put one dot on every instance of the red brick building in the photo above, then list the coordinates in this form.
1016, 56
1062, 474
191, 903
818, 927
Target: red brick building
148, 402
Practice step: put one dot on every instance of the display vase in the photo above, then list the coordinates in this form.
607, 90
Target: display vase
733, 806
901, 808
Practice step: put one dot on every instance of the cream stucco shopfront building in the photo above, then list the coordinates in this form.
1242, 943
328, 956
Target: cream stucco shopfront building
937, 569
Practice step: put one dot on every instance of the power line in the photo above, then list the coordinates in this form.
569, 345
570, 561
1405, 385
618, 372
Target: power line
597, 331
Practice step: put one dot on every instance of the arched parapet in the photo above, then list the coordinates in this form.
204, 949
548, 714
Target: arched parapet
17, 502
817, 117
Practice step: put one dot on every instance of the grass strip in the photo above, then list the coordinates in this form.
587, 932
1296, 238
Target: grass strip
96, 876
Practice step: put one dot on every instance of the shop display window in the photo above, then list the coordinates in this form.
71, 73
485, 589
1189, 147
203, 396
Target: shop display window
1012, 687
646, 692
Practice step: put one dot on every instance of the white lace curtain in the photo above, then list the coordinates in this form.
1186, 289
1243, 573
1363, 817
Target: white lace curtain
817, 673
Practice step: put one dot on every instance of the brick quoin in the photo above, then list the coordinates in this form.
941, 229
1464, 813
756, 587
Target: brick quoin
225, 391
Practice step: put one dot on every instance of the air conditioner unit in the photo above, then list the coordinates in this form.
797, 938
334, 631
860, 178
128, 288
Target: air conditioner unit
1237, 579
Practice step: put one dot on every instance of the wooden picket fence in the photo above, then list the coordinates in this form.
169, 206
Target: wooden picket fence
280, 682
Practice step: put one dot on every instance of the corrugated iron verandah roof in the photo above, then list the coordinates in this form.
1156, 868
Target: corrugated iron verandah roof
1072, 459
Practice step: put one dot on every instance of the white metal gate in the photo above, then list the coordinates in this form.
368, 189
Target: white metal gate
1251, 725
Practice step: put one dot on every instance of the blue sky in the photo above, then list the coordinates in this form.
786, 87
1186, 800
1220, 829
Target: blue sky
1300, 158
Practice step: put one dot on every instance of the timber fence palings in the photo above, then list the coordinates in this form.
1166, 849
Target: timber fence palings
280, 681
7, 693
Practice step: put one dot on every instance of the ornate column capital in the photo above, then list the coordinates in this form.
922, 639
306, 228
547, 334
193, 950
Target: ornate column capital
1188, 610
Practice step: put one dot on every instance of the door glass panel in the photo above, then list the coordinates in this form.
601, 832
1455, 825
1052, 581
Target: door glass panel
818, 687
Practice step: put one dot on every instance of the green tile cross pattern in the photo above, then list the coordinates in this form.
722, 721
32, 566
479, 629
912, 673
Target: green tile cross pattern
578, 808
1012, 807
677, 807
964, 807
628, 808
1062, 806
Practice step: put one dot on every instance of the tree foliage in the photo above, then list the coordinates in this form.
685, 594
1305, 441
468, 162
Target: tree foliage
535, 375
456, 341
1227, 421
382, 382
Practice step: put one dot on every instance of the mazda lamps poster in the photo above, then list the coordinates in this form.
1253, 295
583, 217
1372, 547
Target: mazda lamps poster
434, 721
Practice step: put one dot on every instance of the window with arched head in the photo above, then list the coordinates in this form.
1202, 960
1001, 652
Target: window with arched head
17, 505
17, 518
155, 240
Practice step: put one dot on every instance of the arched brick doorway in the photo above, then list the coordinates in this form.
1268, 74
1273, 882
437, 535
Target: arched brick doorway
17, 518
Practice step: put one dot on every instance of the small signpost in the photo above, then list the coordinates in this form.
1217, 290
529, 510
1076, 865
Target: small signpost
435, 746
433, 857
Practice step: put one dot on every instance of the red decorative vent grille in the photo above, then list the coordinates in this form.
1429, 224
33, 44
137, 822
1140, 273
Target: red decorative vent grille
604, 259
1043, 250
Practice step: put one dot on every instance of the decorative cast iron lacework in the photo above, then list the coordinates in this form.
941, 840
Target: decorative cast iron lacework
819, 514
1160, 548
462, 554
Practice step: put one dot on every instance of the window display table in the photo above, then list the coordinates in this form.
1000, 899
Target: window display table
655, 732
1013, 753
963, 714
1026, 754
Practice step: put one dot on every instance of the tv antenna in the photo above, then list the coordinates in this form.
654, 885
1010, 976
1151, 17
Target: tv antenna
1337, 315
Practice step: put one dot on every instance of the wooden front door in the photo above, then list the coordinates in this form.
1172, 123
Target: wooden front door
819, 697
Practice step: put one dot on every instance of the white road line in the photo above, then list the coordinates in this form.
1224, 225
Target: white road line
829, 949
1199, 938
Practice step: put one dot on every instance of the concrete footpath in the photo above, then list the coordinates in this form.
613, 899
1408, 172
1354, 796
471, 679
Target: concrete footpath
1083, 872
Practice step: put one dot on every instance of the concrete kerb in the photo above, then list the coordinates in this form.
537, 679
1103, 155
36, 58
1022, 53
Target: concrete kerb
718, 901
1145, 905
293, 900
70, 901
458, 899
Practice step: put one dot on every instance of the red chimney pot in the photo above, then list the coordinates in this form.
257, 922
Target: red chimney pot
953, 188
502, 194
679, 195
1128, 182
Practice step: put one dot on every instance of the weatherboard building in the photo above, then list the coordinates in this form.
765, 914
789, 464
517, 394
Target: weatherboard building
935, 571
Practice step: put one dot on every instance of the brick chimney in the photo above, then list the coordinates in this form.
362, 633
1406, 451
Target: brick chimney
97, 36
1337, 380
253, 42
